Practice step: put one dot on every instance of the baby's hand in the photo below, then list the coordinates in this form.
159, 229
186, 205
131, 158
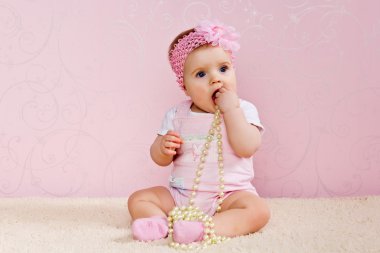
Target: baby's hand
226, 99
170, 142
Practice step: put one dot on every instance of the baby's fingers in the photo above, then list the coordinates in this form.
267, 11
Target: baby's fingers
171, 144
173, 136
168, 147
167, 151
222, 90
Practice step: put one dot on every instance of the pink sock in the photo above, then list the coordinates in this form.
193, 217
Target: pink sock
149, 229
187, 231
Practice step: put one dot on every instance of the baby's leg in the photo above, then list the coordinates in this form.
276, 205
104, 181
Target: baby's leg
155, 201
242, 213
149, 209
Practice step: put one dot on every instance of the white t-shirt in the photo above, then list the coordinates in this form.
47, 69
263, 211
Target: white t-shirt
249, 110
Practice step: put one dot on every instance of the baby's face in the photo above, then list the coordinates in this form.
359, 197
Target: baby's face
206, 70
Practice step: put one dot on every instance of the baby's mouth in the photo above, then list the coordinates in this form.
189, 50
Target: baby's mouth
214, 95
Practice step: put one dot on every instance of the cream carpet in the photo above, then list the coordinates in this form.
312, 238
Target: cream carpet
102, 225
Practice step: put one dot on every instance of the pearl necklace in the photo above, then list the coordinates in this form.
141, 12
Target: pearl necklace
193, 213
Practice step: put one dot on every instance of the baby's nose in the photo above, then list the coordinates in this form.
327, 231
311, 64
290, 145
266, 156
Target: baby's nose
215, 80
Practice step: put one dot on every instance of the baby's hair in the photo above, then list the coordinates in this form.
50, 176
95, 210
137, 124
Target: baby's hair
179, 36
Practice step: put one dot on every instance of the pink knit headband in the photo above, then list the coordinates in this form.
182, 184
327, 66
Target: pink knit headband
206, 32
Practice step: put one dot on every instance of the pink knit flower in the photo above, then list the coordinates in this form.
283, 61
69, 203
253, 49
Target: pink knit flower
219, 35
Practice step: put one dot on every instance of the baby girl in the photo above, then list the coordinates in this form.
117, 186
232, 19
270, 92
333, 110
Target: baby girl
216, 179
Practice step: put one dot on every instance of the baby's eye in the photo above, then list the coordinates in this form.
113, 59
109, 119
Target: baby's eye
223, 68
200, 74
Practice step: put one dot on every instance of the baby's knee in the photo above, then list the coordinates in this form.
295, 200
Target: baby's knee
264, 214
148, 194
136, 196
260, 216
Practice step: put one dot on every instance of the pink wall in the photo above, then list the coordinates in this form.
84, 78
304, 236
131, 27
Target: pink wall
84, 85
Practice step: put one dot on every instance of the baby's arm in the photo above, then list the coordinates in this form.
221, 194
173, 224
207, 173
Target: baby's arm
243, 137
163, 148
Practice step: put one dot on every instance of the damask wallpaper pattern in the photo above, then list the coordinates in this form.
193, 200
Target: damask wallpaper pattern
84, 86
